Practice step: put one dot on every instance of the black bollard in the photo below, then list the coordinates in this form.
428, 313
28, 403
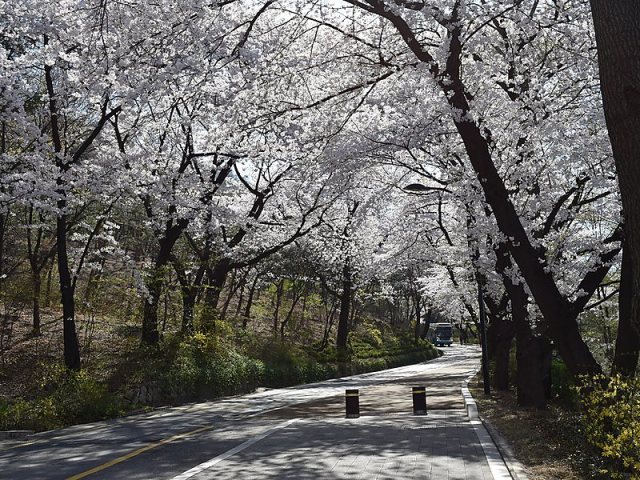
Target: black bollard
419, 401
352, 401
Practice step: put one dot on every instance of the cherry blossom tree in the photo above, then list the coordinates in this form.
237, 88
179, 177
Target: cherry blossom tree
618, 34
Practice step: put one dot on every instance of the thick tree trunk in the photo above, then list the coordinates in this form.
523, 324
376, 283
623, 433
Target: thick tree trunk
345, 305
70, 337
503, 331
529, 354
189, 289
150, 333
530, 380
71, 346
617, 28
625, 359
560, 315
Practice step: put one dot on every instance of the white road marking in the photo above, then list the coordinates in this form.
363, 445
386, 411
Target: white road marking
223, 456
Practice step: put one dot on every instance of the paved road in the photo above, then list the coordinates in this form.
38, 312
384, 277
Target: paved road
297, 432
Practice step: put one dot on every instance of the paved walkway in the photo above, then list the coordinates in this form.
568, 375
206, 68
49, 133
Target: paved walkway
314, 440
442, 446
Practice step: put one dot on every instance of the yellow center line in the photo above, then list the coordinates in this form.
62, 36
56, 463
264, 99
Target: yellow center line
23, 444
137, 452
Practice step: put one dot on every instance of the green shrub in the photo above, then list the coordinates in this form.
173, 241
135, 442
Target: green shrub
21, 414
67, 398
205, 367
563, 387
286, 364
369, 334
611, 421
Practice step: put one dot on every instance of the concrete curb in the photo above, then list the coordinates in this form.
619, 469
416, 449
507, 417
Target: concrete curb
514, 467
470, 405
15, 434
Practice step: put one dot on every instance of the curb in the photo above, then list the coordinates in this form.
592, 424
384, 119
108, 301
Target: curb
15, 434
470, 405
514, 467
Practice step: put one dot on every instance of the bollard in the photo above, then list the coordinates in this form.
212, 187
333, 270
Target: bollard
419, 401
352, 401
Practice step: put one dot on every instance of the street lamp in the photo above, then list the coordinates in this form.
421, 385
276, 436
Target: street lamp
420, 188
416, 187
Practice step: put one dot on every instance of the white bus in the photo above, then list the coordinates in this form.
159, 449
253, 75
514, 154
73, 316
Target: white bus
440, 334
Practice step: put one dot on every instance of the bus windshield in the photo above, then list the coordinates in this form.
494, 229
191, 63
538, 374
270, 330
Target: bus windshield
443, 330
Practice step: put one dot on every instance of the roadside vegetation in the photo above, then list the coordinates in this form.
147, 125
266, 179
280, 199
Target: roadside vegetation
589, 430
548, 443
125, 378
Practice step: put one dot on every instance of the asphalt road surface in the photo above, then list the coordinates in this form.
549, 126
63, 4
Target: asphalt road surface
297, 433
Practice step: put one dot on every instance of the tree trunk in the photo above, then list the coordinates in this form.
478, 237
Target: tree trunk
231, 292
559, 316
625, 359
71, 346
328, 325
247, 308
294, 302
427, 324
3, 227
418, 312
216, 278
70, 338
303, 312
47, 296
278, 302
241, 296
37, 290
617, 28
529, 354
150, 334
189, 295
503, 333
345, 305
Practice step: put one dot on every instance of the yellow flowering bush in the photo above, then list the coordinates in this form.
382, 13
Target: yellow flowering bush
611, 420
